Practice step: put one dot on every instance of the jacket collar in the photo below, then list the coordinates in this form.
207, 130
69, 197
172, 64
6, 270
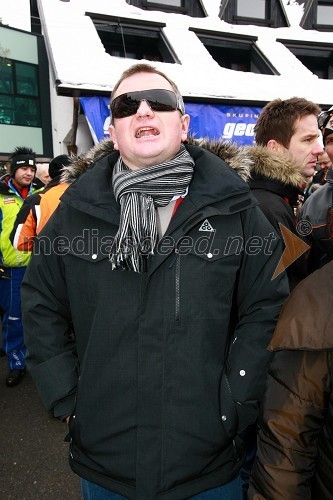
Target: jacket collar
7, 187
277, 187
246, 161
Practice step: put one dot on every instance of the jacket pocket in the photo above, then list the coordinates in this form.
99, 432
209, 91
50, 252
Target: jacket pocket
204, 282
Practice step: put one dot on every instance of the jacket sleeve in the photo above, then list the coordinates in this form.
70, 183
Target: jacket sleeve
51, 352
293, 412
24, 230
258, 302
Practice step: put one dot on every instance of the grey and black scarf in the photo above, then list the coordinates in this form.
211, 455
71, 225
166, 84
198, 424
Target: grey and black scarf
139, 193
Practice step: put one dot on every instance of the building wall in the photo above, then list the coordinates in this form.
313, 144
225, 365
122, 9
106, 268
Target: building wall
23, 47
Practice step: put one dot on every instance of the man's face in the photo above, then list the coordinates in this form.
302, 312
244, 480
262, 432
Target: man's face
43, 172
24, 176
329, 145
304, 145
148, 137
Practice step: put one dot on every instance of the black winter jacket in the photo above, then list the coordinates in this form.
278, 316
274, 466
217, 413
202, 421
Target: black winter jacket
167, 367
276, 184
316, 211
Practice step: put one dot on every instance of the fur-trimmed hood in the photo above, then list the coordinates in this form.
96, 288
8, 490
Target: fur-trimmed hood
247, 161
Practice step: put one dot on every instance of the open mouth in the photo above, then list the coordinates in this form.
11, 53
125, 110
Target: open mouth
146, 132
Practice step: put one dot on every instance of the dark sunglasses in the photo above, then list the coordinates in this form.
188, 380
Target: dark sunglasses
157, 99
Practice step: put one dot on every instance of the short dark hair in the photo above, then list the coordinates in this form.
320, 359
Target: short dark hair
22, 150
147, 68
277, 119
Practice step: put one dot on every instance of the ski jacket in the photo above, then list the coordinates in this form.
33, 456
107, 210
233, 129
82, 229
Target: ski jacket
167, 367
34, 213
315, 211
10, 204
276, 183
295, 450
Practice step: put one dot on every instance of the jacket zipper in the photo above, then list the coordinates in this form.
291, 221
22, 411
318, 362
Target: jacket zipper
177, 288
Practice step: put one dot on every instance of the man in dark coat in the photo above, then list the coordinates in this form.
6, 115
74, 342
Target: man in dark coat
289, 128
160, 257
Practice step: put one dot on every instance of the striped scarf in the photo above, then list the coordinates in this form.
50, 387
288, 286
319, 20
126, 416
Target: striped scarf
139, 193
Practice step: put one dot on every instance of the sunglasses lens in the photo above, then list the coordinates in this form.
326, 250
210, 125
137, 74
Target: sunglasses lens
158, 100
123, 106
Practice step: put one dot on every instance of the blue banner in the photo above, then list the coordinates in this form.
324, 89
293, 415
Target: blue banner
97, 115
231, 123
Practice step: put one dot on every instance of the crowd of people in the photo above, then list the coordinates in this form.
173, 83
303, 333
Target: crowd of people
139, 288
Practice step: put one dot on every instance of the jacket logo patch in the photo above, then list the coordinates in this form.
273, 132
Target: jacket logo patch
206, 226
8, 200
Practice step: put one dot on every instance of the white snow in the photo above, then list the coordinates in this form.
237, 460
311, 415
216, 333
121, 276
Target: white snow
80, 61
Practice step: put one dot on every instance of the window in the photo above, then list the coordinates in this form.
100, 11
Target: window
255, 8
318, 15
136, 41
325, 13
318, 58
193, 8
269, 13
19, 94
238, 53
171, 3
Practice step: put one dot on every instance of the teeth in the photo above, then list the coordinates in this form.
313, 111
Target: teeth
145, 129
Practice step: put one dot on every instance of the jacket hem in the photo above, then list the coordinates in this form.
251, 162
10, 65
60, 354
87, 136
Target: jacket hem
182, 492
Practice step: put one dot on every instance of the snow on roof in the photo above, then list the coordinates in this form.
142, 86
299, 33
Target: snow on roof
79, 59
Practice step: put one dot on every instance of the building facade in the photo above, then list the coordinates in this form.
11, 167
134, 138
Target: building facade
228, 57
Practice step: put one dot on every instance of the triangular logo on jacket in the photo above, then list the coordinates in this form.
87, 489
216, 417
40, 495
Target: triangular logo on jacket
206, 226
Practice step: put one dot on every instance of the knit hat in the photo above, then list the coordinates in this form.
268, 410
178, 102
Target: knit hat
325, 122
22, 157
57, 164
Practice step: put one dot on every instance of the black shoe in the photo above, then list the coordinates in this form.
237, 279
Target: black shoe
14, 377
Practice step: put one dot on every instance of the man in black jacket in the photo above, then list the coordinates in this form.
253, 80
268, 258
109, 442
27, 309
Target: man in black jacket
318, 208
289, 128
161, 258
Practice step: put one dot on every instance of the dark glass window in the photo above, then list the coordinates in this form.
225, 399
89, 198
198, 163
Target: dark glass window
6, 78
318, 58
239, 54
19, 94
120, 39
26, 79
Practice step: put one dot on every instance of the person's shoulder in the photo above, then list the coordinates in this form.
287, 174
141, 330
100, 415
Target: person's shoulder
322, 193
315, 207
33, 198
305, 320
227, 156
